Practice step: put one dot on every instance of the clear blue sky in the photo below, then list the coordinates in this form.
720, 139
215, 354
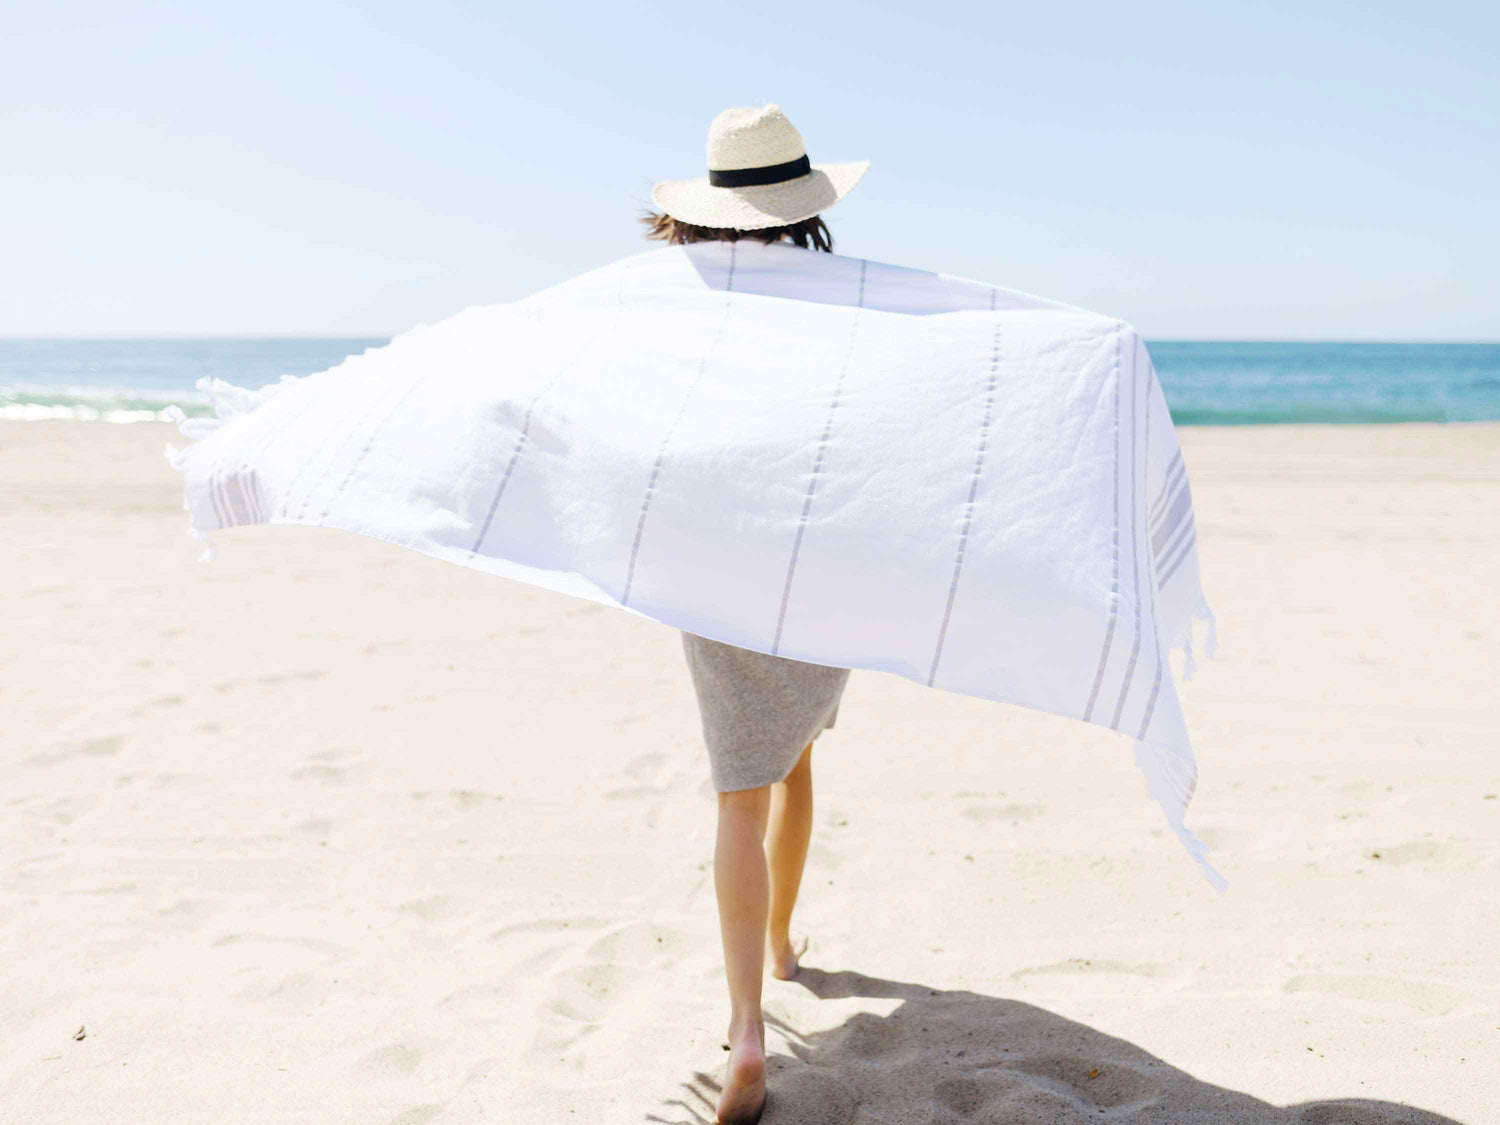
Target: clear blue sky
1207, 169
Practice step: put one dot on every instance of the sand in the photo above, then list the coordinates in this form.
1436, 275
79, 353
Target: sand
261, 865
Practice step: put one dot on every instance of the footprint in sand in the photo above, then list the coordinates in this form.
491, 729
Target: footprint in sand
271, 679
429, 908
189, 913
1093, 971
417, 1115
83, 748
341, 764
374, 647
477, 1001
646, 767
805, 1094
57, 714
395, 1060
179, 782
275, 679
1421, 997
65, 810
455, 800
631, 966
530, 950
335, 754
160, 703
653, 775
292, 993
641, 943
1429, 852
1003, 814
1111, 1085
963, 1096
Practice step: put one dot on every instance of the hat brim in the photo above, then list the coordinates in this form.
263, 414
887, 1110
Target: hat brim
764, 205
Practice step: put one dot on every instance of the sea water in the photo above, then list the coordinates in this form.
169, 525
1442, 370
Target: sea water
1205, 383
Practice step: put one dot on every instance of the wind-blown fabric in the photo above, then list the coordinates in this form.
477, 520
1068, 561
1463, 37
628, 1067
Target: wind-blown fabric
805, 454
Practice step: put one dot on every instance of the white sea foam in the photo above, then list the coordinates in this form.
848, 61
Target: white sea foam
95, 404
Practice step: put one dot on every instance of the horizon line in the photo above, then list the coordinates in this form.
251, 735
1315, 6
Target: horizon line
320, 336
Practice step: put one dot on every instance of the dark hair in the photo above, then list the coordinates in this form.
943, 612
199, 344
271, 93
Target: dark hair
671, 230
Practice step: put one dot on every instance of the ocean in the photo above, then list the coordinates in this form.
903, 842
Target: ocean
1206, 383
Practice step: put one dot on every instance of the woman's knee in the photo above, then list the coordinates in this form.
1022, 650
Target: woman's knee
745, 802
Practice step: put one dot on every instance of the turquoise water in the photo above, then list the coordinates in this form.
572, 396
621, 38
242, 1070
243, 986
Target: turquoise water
1225, 383
133, 380
1212, 383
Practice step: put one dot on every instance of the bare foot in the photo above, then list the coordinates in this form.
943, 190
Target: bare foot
783, 957
744, 1094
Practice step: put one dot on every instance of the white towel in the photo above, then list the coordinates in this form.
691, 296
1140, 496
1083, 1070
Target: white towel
805, 454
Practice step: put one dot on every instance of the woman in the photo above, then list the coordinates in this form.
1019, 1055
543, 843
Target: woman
760, 713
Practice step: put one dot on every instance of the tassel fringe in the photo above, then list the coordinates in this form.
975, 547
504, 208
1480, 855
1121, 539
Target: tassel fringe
1171, 779
1184, 640
228, 402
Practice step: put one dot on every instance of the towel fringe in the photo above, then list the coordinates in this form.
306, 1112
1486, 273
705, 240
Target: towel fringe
1171, 780
228, 402
210, 548
1184, 638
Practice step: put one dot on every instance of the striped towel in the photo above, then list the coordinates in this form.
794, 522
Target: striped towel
805, 454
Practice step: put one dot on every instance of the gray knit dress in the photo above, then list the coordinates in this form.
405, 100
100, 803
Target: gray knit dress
759, 711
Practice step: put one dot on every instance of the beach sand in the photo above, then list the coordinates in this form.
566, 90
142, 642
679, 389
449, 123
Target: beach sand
329, 831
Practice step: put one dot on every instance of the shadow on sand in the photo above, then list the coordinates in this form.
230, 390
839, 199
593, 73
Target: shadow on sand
948, 1058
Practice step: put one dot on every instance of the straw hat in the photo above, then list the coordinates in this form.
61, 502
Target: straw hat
758, 176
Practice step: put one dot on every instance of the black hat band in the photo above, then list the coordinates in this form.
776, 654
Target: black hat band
767, 174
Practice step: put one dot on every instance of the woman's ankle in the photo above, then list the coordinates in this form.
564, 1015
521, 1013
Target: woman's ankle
746, 1025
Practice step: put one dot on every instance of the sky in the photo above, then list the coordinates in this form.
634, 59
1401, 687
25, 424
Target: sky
1203, 170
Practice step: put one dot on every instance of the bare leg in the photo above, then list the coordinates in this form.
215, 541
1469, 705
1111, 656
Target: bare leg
741, 884
787, 839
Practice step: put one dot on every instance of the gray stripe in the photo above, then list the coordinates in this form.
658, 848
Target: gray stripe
213, 497
984, 437
661, 453
385, 416
349, 435
231, 509
1114, 590
1180, 508
1176, 490
521, 438
310, 402
268, 435
375, 431
308, 463
247, 506
252, 490
1166, 485
231, 516
1186, 551
812, 481
1151, 589
1187, 526
1136, 503
243, 479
